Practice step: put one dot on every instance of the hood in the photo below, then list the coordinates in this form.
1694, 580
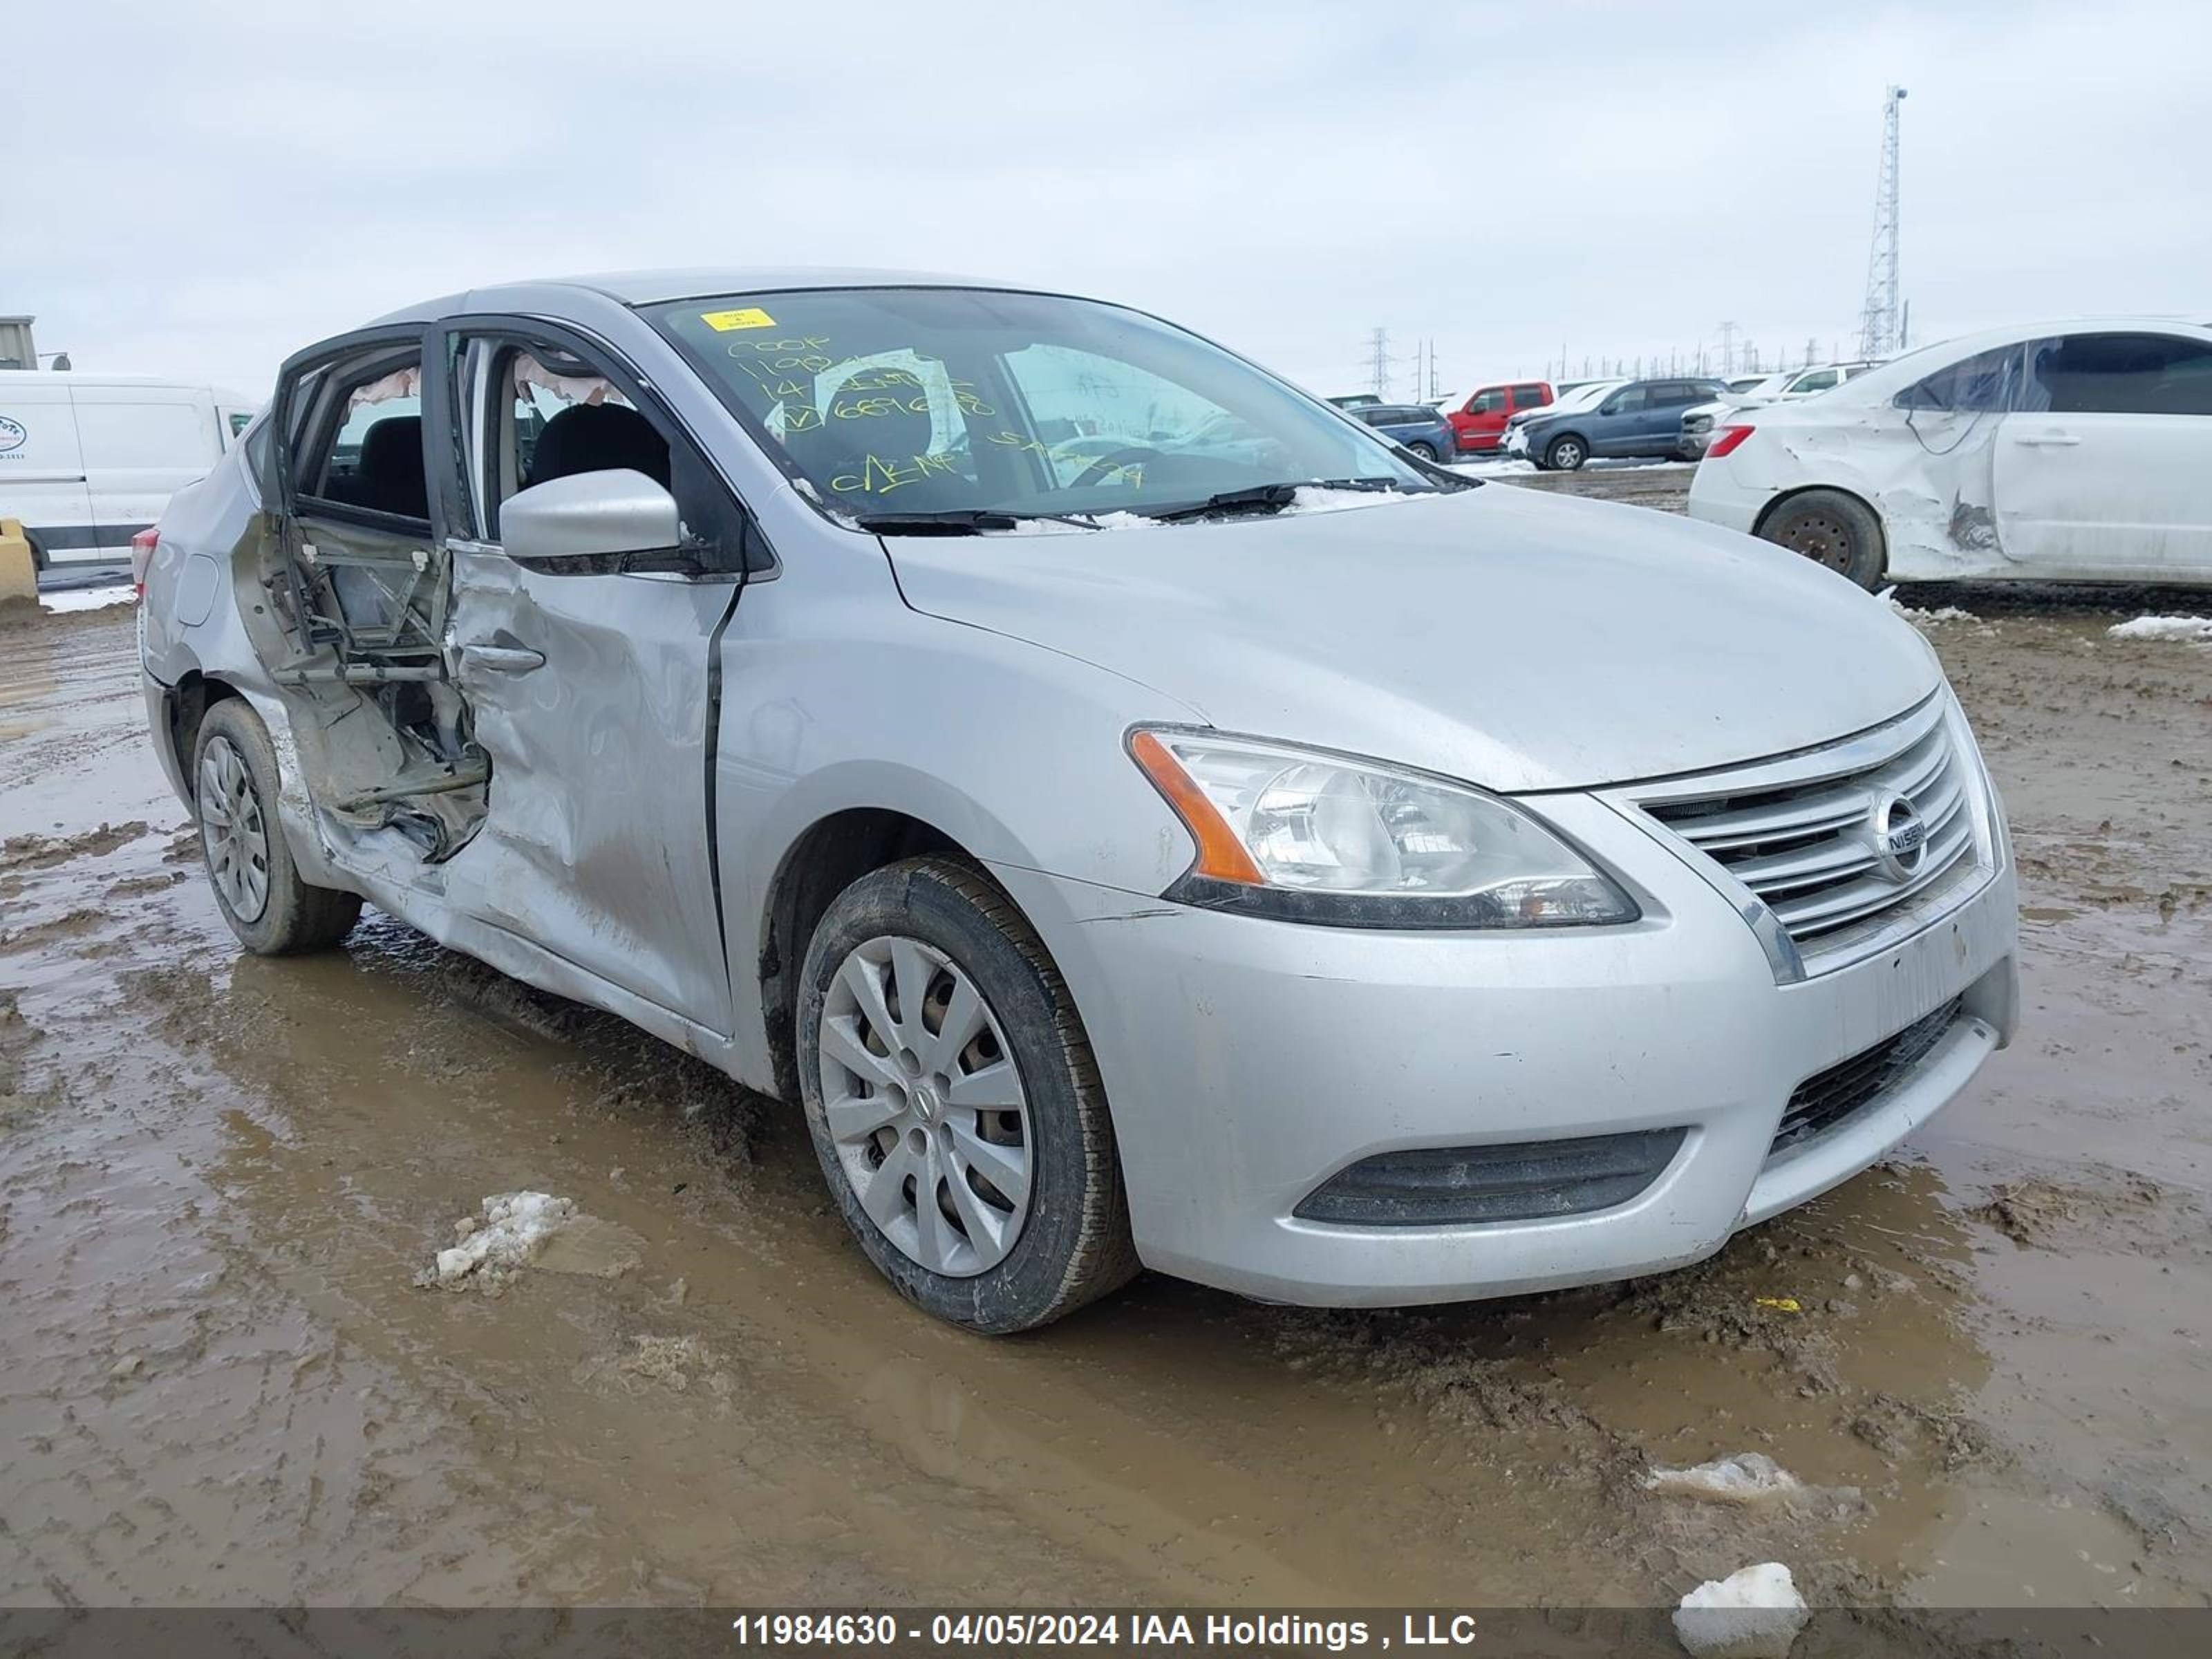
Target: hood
1511, 638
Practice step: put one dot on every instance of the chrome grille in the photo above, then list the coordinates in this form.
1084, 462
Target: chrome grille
1804, 834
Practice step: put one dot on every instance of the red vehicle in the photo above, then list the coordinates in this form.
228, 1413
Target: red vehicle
1478, 423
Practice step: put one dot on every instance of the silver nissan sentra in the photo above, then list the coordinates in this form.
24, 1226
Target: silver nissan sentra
1143, 817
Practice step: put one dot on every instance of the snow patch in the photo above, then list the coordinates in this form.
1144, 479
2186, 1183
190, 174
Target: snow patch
2195, 630
88, 599
1320, 498
1746, 1478
513, 1231
1949, 613
1755, 1613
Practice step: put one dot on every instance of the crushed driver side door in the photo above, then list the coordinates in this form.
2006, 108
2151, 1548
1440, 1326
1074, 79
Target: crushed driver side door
591, 688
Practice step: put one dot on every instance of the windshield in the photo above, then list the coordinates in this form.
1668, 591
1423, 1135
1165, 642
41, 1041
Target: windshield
950, 402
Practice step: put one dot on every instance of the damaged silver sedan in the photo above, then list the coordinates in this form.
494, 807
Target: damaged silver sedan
1140, 816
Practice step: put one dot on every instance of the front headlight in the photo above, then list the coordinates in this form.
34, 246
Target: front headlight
1314, 837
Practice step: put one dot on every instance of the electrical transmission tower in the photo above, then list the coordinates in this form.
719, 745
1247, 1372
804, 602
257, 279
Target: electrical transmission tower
1379, 360
1880, 325
1425, 371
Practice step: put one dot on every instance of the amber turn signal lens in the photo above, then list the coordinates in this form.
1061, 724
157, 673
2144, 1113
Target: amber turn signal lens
1220, 854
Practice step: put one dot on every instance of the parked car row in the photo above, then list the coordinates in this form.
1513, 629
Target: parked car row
1658, 417
1787, 386
1640, 418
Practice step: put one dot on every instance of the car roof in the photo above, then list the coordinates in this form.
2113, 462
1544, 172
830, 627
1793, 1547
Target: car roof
1885, 380
1481, 386
645, 287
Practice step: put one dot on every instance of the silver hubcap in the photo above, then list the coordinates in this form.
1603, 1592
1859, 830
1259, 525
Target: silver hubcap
925, 1106
233, 830
1568, 454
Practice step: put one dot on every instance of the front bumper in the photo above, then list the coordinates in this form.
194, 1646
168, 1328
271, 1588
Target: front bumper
1247, 1060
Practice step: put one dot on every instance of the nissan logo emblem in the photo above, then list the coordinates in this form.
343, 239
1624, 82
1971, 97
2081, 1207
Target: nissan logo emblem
1900, 838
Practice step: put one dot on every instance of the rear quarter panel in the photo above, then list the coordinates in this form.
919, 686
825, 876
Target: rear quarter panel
1930, 479
190, 612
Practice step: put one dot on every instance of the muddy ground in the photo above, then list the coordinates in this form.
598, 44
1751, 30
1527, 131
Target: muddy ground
220, 1178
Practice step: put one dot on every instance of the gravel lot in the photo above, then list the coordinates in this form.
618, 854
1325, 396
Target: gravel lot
220, 1178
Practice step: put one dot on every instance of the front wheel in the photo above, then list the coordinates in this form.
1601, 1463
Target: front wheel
954, 1104
1565, 454
258, 888
1831, 529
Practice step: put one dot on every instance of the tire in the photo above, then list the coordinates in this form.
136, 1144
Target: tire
1832, 529
993, 1259
1567, 452
1424, 451
38, 559
257, 887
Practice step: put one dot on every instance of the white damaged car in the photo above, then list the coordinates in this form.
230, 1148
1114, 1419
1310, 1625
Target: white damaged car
2073, 451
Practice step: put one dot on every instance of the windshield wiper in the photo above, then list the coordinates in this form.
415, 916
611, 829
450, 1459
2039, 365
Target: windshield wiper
1272, 497
961, 521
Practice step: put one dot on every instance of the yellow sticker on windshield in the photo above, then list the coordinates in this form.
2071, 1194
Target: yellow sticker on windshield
723, 321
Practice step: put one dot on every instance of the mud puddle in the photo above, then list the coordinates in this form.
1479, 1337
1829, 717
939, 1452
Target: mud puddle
221, 1179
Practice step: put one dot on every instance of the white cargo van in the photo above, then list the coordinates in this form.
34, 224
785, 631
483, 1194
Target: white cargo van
89, 460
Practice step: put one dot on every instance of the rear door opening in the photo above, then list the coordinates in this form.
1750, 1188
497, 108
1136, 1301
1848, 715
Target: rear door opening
360, 587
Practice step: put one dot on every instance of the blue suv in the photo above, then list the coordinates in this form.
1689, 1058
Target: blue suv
1644, 417
1419, 426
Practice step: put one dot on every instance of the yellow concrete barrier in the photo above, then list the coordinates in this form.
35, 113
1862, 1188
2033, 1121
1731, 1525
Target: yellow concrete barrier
19, 577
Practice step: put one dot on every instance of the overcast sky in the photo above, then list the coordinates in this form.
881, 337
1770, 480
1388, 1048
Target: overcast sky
199, 189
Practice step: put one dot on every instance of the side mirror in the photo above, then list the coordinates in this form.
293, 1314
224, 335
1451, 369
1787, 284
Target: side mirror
600, 516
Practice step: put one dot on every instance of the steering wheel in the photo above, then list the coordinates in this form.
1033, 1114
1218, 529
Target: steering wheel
1112, 463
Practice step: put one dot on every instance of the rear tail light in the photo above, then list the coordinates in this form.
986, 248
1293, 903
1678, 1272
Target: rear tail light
1730, 439
142, 555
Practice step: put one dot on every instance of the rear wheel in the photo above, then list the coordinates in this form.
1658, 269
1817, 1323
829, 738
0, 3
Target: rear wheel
1831, 529
1427, 452
954, 1104
258, 888
1566, 453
